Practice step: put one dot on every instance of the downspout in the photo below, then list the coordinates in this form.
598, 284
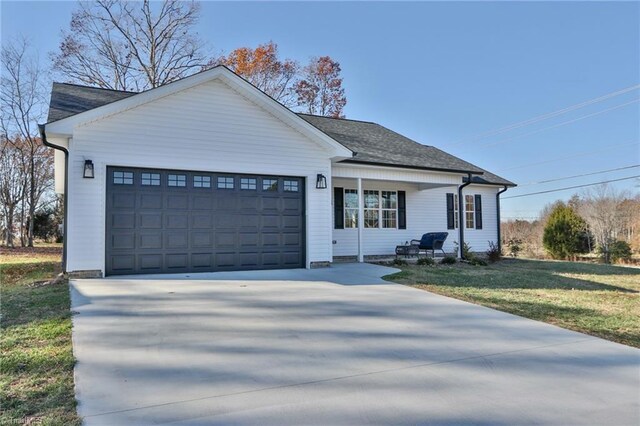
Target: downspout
461, 222
498, 216
43, 135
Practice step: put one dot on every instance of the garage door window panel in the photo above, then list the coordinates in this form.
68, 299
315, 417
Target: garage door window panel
177, 180
201, 181
150, 179
123, 178
225, 182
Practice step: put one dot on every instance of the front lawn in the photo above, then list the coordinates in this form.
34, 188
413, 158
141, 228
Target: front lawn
36, 371
601, 300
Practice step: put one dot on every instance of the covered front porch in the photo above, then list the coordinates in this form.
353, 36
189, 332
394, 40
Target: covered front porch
395, 205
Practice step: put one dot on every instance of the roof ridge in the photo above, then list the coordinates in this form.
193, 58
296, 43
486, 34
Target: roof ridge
94, 87
338, 118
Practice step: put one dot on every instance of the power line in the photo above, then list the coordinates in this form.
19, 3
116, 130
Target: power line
564, 123
545, 116
577, 176
571, 187
582, 154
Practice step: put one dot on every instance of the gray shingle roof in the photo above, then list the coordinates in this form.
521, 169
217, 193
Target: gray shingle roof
375, 144
371, 142
70, 99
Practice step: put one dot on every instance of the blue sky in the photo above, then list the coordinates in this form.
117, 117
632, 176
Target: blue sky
443, 73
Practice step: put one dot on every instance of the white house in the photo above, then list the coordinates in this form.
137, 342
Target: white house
209, 173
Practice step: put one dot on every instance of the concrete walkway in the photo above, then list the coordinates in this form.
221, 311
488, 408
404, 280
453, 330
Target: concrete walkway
329, 347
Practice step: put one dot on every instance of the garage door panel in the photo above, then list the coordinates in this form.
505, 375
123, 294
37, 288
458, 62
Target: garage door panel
225, 260
151, 220
123, 263
200, 239
176, 261
201, 220
201, 260
149, 262
225, 239
248, 239
177, 221
123, 241
177, 201
150, 241
150, 201
124, 200
123, 220
154, 228
176, 240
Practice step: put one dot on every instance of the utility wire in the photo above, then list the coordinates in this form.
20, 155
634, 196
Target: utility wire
564, 123
544, 116
577, 176
572, 187
582, 154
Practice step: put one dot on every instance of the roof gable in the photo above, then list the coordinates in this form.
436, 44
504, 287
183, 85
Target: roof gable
99, 103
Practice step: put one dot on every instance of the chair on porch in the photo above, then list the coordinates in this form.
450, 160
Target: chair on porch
431, 241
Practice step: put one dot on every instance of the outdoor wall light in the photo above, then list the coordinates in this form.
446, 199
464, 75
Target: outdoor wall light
321, 181
88, 170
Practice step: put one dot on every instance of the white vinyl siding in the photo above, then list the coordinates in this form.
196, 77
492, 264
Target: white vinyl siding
426, 212
210, 128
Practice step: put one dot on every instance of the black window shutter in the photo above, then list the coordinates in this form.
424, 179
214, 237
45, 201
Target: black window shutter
478, 204
450, 212
338, 208
402, 210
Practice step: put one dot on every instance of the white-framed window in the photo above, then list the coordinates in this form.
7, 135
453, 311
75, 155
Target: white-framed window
389, 209
150, 179
456, 211
290, 185
123, 178
350, 208
380, 209
248, 183
177, 180
202, 181
469, 211
269, 184
371, 209
225, 182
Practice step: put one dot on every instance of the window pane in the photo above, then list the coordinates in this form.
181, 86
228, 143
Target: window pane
225, 182
350, 218
269, 184
389, 199
469, 211
456, 216
177, 180
371, 218
350, 198
291, 185
371, 200
202, 181
123, 178
389, 219
151, 179
248, 183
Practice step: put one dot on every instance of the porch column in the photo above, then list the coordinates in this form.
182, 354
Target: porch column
360, 221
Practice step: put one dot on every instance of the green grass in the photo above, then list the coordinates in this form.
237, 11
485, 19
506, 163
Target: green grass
36, 370
601, 300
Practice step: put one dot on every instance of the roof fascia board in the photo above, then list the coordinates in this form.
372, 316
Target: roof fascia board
396, 168
429, 169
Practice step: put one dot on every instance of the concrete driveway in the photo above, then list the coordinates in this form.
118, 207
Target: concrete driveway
328, 347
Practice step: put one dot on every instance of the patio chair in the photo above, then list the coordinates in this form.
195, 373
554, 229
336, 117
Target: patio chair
431, 241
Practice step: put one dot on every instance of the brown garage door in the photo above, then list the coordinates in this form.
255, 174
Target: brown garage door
165, 221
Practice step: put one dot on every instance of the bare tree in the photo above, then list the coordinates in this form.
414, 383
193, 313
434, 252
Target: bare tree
22, 106
320, 89
11, 187
601, 208
130, 45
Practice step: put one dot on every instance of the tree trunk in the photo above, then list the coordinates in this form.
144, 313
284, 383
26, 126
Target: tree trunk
9, 219
32, 197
